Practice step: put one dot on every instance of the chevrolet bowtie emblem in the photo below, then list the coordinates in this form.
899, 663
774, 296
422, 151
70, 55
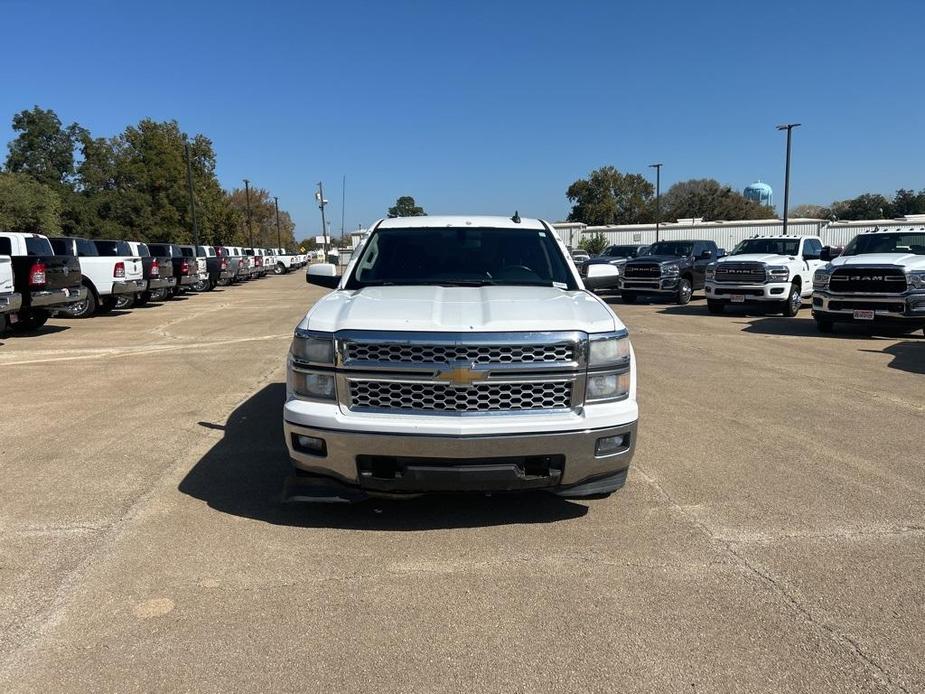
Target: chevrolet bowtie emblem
463, 375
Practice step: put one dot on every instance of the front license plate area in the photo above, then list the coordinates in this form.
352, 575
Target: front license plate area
863, 315
737, 298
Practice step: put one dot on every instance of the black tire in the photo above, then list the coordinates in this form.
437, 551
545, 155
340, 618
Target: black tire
106, 304
791, 307
716, 307
200, 286
825, 326
174, 291
685, 291
628, 297
124, 302
280, 269
85, 308
142, 299
33, 320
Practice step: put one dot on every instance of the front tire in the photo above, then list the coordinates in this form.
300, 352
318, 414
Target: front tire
794, 301
280, 269
715, 307
685, 292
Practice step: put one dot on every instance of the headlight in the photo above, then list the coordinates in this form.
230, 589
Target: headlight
710, 271
609, 351
607, 386
671, 270
314, 385
917, 279
778, 273
821, 278
312, 348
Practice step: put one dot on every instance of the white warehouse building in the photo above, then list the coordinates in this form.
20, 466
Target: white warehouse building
728, 234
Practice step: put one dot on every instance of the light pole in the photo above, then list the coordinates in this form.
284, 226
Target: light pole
658, 195
192, 199
279, 243
319, 196
247, 198
789, 128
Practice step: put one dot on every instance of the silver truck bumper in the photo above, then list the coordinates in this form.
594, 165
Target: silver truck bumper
10, 302
650, 286
187, 280
746, 293
909, 305
565, 463
58, 297
129, 286
162, 282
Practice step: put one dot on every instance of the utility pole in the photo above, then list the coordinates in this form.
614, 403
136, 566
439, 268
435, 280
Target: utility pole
279, 243
192, 199
343, 206
247, 198
789, 128
658, 195
319, 196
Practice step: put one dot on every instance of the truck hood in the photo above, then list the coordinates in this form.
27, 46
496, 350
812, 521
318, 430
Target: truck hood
607, 260
461, 309
909, 261
656, 259
768, 258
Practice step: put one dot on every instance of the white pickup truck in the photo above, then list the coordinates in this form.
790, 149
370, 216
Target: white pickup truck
284, 261
772, 271
458, 354
10, 300
878, 279
107, 274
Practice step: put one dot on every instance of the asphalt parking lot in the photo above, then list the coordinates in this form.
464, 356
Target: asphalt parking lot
771, 536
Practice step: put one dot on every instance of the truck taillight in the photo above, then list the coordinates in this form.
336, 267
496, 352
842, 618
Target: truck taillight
240, 263
155, 268
184, 267
37, 274
119, 271
224, 264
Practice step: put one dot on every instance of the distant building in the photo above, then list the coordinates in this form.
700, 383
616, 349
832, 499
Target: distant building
759, 192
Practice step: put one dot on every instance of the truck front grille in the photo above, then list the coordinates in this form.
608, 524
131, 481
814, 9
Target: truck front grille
399, 353
643, 270
745, 273
479, 397
868, 280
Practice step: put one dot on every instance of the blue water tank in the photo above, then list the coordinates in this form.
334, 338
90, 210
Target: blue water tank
759, 192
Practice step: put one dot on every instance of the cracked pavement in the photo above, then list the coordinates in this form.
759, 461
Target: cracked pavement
771, 536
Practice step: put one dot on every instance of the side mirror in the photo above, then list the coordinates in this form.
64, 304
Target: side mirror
721, 253
601, 275
829, 253
706, 255
323, 275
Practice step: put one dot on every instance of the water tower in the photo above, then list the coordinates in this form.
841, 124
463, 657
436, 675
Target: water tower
759, 192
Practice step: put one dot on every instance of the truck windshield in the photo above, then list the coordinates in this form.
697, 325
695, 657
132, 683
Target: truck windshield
461, 256
113, 248
622, 251
775, 246
887, 243
679, 249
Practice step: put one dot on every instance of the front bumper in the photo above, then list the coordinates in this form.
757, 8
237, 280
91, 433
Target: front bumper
906, 307
10, 302
662, 285
562, 462
129, 286
57, 297
747, 293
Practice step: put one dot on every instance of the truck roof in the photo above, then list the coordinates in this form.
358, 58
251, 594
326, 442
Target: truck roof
431, 221
782, 237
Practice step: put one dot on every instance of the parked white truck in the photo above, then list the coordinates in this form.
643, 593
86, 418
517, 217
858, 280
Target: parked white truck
458, 354
772, 271
10, 300
878, 279
105, 276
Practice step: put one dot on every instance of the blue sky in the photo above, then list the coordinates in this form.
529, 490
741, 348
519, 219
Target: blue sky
494, 106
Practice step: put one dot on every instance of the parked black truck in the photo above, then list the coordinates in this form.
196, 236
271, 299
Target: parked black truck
43, 280
184, 269
672, 269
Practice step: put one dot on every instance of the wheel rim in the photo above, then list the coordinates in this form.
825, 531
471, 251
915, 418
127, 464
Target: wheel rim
795, 300
121, 302
685, 290
78, 307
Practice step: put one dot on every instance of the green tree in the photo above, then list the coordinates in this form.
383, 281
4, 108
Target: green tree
594, 244
864, 206
610, 197
810, 211
709, 199
28, 206
406, 207
263, 219
908, 202
43, 148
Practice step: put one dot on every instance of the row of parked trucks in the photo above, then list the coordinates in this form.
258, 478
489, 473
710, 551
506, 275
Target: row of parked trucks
79, 277
879, 277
